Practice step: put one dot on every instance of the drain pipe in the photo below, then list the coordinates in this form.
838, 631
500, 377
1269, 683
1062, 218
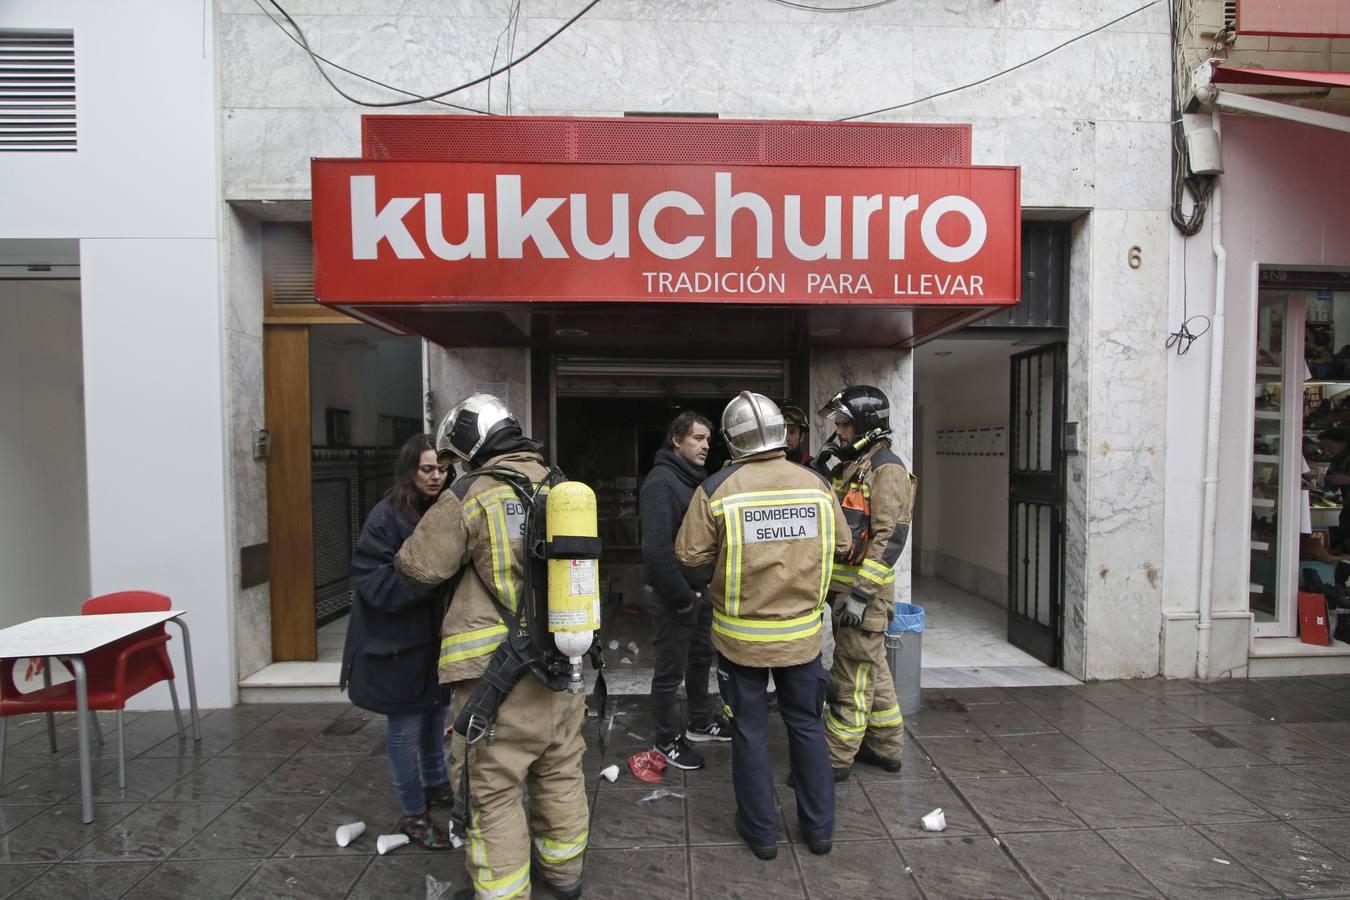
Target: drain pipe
1205, 624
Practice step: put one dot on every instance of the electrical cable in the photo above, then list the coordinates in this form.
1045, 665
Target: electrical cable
1181, 339
431, 98
1000, 74
303, 45
834, 9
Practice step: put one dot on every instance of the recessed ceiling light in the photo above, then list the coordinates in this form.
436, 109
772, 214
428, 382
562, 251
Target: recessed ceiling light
824, 332
572, 332
943, 353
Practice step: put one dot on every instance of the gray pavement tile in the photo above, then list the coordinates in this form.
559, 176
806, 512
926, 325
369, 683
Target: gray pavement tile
278, 736
660, 874
405, 874
364, 738
1334, 778
971, 696
53, 782
87, 881
711, 814
1077, 864
248, 828
970, 757
1017, 804
1332, 734
1165, 688
1282, 745
371, 776
305, 776
208, 879
14, 815
1207, 747
1069, 713
856, 869
1196, 798
901, 804
1146, 713
1184, 865
14, 877
1281, 792
1289, 859
58, 832
621, 822
1276, 709
223, 778
934, 723
1208, 709
146, 778
964, 869
1329, 832
302, 879
316, 836
1008, 718
1107, 800
854, 817
1049, 754
152, 832
918, 766
1128, 751
735, 872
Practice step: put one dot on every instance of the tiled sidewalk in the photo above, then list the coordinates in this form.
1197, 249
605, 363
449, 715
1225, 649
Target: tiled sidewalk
1138, 789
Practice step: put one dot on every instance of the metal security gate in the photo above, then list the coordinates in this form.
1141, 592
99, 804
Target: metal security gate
1036, 502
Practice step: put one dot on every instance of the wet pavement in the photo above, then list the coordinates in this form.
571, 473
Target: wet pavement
1130, 789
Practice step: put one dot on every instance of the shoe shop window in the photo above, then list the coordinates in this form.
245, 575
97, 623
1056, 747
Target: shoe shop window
1300, 528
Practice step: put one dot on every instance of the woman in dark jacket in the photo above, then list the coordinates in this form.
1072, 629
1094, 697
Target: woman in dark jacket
393, 637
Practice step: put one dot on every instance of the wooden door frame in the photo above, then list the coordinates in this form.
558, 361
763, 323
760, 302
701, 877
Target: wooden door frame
290, 524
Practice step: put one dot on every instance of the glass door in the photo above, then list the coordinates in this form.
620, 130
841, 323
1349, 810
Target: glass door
1271, 535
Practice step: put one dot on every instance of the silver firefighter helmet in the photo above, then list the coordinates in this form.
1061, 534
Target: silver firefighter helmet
752, 423
470, 423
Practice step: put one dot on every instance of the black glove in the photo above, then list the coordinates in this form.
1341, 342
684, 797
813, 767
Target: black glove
851, 616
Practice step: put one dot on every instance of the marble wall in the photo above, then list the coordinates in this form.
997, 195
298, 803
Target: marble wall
455, 374
1087, 126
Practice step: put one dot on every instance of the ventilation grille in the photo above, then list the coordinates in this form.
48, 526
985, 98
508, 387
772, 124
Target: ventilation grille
288, 262
37, 92
1229, 13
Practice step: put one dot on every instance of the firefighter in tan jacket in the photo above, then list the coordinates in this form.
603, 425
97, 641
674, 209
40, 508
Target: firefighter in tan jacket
476, 530
762, 534
877, 493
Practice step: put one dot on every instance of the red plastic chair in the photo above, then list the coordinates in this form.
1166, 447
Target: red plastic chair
116, 673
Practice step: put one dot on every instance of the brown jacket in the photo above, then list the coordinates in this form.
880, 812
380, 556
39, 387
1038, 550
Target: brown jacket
891, 488
477, 526
763, 533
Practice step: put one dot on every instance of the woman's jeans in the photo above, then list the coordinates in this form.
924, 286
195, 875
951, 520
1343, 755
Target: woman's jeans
416, 748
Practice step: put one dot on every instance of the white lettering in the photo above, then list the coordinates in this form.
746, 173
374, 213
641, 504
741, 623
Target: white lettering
647, 224
900, 209
725, 207
863, 208
964, 206
475, 243
779, 523
617, 245
792, 229
515, 227
370, 227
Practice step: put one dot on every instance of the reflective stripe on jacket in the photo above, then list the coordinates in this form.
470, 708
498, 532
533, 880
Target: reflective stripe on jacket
476, 525
764, 533
889, 487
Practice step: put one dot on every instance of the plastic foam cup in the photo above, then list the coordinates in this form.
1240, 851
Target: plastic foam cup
350, 832
935, 821
387, 842
610, 773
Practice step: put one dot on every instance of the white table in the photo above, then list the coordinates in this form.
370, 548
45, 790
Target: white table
68, 638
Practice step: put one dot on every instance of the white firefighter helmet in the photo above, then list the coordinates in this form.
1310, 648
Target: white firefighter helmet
752, 423
470, 423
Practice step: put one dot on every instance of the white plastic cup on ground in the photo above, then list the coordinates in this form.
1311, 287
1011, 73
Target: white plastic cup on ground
935, 821
387, 842
350, 832
610, 774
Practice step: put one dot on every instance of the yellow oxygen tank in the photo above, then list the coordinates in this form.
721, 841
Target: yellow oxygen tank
573, 573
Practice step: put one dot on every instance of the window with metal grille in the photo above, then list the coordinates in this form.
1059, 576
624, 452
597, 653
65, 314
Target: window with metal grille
37, 91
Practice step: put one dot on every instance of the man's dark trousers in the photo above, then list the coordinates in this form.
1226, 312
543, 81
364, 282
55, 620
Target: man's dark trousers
801, 701
683, 645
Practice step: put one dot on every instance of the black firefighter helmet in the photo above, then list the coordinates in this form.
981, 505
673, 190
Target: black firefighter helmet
865, 405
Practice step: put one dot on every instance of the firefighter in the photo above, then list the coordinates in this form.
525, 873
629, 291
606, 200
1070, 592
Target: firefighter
877, 493
798, 430
475, 532
762, 533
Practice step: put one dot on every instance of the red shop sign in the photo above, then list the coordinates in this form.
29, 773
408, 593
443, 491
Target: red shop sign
428, 232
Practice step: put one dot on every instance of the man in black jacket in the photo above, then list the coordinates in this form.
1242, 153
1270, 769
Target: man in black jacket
681, 616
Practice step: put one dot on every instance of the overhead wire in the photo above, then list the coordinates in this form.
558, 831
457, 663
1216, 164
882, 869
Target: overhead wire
1001, 73
834, 9
427, 98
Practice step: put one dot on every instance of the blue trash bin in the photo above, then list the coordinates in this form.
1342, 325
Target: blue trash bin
904, 654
